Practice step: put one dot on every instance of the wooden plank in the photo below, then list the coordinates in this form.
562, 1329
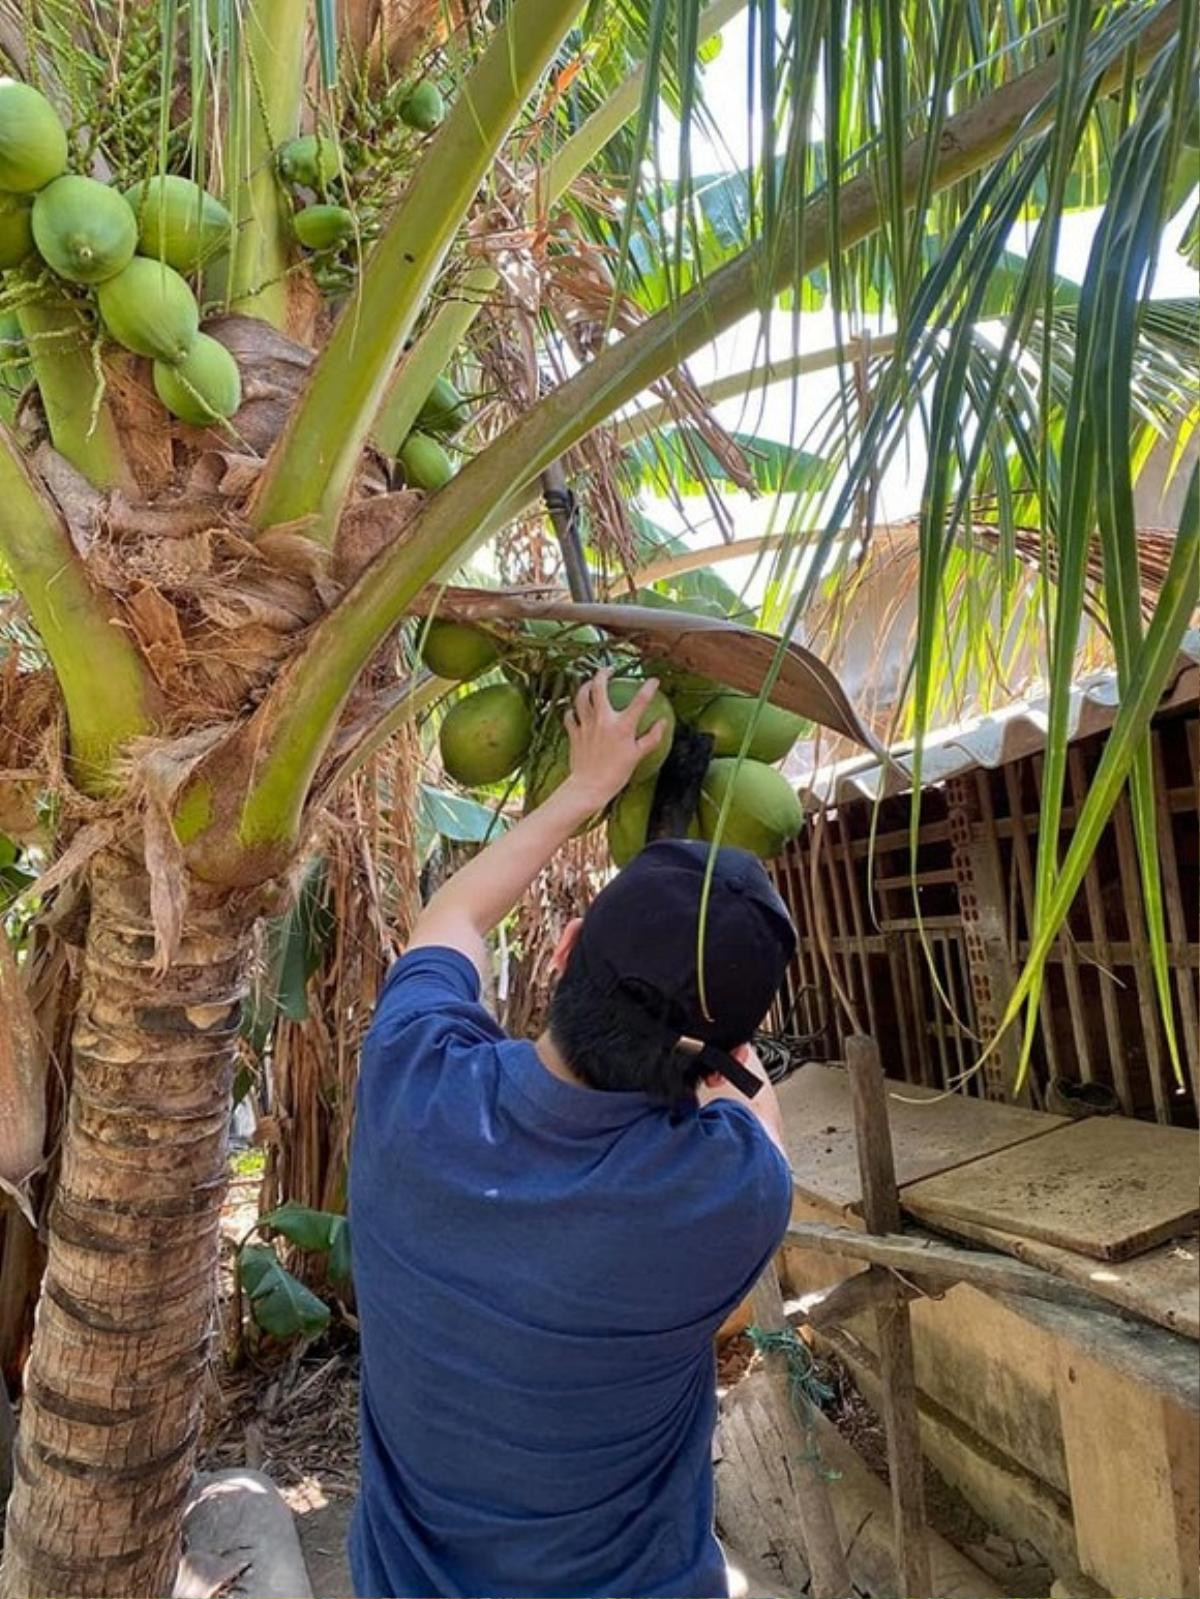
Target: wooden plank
933, 1263
931, 1132
1185, 987
822, 1541
1024, 859
893, 1323
1151, 1030
1104, 956
1108, 1187
1070, 968
1162, 1285
842, 940
857, 915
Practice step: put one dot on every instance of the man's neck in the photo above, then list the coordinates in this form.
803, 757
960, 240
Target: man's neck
551, 1059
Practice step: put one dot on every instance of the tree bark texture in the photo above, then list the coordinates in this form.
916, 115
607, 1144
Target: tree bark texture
113, 1391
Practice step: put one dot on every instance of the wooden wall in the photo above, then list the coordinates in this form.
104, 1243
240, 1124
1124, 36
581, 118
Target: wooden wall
929, 974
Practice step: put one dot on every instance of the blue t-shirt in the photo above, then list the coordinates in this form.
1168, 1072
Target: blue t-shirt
540, 1269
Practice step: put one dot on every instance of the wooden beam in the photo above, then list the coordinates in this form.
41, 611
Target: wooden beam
866, 1290
893, 1326
827, 1565
927, 1260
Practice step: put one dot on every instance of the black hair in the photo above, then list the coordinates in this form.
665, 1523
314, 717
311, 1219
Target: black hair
611, 1042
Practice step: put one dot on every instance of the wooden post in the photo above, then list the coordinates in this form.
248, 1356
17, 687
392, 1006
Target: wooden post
827, 1565
881, 1212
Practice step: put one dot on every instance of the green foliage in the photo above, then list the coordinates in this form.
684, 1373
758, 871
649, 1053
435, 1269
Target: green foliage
279, 1303
293, 945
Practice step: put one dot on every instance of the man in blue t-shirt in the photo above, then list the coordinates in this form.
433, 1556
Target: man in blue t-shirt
548, 1235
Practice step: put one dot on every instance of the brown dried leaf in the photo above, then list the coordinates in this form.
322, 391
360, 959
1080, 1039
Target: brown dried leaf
715, 648
370, 526
22, 1071
156, 625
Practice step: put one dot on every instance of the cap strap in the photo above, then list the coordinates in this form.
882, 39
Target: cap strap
741, 1077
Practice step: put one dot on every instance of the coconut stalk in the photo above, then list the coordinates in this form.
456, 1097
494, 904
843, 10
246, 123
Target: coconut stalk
109, 693
272, 761
312, 467
265, 114
69, 382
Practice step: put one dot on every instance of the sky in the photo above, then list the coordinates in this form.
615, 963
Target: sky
735, 351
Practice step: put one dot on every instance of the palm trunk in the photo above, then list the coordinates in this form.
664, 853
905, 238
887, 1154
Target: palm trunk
112, 1407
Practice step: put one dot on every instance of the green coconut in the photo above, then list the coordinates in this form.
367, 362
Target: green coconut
628, 821
323, 227
205, 387
426, 465
486, 736
423, 109
727, 717
83, 229
444, 410
457, 651
178, 221
620, 691
33, 142
16, 230
150, 310
764, 811
687, 691
309, 162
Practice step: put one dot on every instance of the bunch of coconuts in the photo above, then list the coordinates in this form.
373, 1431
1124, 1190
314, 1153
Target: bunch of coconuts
513, 724
133, 250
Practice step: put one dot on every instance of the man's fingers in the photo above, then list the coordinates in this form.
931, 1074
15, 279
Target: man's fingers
652, 737
641, 699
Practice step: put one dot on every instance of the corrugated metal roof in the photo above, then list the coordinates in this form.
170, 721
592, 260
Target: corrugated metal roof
991, 741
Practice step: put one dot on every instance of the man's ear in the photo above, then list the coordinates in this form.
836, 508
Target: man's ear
566, 943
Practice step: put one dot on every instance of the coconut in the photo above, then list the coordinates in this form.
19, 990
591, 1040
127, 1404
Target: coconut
444, 410
729, 715
150, 310
423, 109
83, 229
426, 465
178, 221
205, 387
620, 691
323, 227
16, 230
486, 736
309, 162
457, 651
764, 812
628, 821
33, 142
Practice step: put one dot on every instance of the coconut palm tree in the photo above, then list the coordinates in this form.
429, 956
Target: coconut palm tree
211, 605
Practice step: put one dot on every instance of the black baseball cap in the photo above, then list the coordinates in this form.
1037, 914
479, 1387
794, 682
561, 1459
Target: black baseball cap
641, 939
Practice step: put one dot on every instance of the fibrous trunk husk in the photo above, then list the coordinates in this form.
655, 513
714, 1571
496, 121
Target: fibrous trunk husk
112, 1406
